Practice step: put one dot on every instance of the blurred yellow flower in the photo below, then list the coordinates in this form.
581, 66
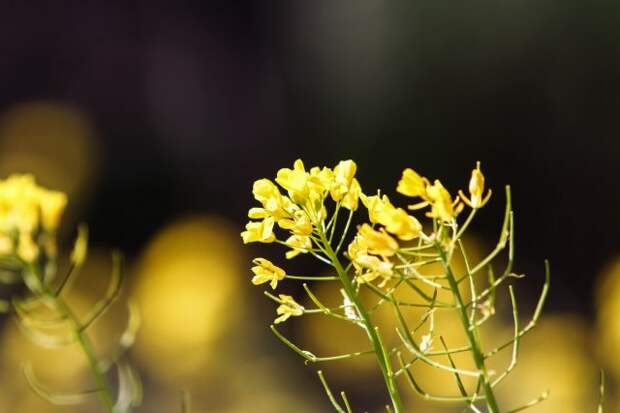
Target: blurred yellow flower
25, 208
265, 271
476, 190
288, 307
261, 231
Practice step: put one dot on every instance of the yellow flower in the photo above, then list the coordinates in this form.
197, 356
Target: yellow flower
396, 220
6, 245
299, 225
27, 249
295, 181
377, 207
344, 173
351, 199
476, 190
377, 242
413, 185
264, 271
372, 267
26, 209
442, 205
401, 224
300, 244
368, 267
288, 307
308, 190
52, 205
274, 203
261, 231
321, 177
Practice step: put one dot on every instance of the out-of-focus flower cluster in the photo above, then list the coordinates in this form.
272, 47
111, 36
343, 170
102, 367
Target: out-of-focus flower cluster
29, 216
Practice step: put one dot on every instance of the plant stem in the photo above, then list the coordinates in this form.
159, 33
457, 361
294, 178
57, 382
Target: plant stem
105, 394
474, 343
371, 329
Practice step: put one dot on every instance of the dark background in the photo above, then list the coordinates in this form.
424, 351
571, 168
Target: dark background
193, 101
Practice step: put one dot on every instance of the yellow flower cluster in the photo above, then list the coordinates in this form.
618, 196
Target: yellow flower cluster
29, 216
302, 209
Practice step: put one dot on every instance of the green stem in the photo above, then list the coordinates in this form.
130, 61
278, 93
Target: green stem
476, 350
105, 394
371, 330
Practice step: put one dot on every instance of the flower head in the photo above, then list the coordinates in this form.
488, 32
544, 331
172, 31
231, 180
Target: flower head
261, 231
476, 190
288, 307
372, 267
395, 220
299, 244
442, 206
265, 271
344, 173
29, 216
412, 184
377, 242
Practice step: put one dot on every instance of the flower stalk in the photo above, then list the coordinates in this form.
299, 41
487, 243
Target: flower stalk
389, 254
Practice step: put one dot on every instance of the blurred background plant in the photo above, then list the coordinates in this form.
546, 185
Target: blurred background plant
46, 314
151, 115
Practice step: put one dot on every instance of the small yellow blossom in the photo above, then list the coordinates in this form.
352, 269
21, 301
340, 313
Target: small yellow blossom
412, 184
306, 189
442, 205
288, 307
299, 225
299, 244
261, 231
265, 271
476, 190
274, 203
6, 245
368, 267
28, 210
344, 173
295, 181
351, 200
321, 177
27, 249
356, 247
396, 220
377, 242
372, 267
377, 207
401, 224
52, 206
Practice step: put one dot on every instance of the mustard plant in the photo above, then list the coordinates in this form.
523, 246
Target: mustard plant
385, 256
29, 218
